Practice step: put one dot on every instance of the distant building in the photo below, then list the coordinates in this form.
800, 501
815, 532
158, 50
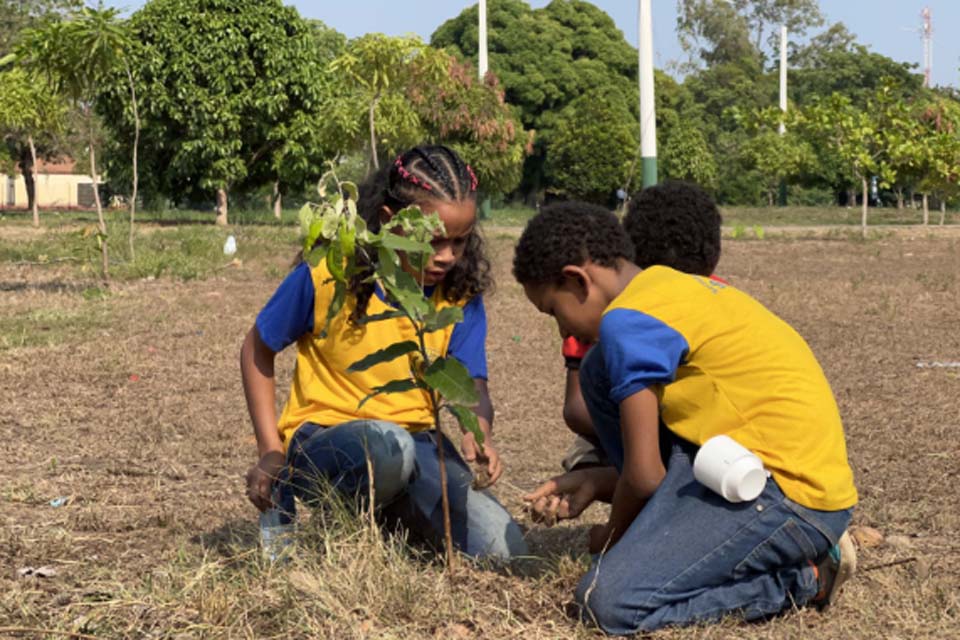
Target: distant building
58, 185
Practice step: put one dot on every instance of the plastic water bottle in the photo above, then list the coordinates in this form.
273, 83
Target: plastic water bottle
230, 246
276, 539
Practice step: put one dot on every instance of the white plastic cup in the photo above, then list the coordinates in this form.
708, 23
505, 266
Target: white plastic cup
729, 469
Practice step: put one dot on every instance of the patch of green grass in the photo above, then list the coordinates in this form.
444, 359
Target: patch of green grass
511, 216
53, 326
818, 216
185, 252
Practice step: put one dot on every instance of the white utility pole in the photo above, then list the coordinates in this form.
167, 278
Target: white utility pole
783, 75
482, 57
648, 117
927, 34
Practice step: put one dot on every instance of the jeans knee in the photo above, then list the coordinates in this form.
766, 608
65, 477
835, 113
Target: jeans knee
601, 604
393, 458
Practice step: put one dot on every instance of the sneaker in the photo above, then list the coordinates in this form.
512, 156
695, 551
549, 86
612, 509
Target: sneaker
834, 570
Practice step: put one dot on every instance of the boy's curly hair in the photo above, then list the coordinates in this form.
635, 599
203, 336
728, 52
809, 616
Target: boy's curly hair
427, 172
568, 233
676, 224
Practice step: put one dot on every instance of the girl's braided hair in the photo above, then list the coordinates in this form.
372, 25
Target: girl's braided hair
428, 172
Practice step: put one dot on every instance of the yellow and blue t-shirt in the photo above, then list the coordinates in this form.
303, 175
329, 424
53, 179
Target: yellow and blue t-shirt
322, 391
721, 363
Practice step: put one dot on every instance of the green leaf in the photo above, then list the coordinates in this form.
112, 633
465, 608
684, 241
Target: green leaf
452, 380
335, 262
336, 304
403, 243
407, 293
386, 315
443, 318
351, 190
386, 354
468, 421
348, 241
315, 255
394, 386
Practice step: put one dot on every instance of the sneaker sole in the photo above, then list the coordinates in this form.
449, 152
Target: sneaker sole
848, 566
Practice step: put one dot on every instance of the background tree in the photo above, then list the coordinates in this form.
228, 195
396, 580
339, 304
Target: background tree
231, 93
593, 148
30, 112
778, 158
77, 55
380, 69
545, 59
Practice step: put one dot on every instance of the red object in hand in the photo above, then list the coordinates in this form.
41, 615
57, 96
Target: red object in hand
575, 348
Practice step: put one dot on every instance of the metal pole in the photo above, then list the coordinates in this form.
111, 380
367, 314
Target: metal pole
648, 119
783, 74
482, 57
782, 196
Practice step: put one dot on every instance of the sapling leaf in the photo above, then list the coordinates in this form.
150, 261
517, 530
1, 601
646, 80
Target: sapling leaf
386, 315
403, 243
315, 255
305, 217
443, 318
336, 303
348, 240
335, 262
351, 190
468, 421
386, 354
394, 386
410, 299
452, 380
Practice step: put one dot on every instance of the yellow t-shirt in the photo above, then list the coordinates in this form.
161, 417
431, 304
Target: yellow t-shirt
323, 391
721, 363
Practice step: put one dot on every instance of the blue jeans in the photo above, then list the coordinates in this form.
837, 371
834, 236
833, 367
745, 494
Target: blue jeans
406, 480
690, 556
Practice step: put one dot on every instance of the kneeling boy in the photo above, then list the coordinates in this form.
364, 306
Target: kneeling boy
708, 360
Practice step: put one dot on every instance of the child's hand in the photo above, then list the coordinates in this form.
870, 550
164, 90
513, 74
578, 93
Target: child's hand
565, 496
260, 479
486, 457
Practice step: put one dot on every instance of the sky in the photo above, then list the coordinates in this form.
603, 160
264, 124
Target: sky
890, 27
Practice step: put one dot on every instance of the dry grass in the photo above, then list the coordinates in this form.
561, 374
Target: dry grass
132, 409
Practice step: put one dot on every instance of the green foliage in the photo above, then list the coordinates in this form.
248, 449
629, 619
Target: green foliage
232, 95
333, 231
546, 59
593, 149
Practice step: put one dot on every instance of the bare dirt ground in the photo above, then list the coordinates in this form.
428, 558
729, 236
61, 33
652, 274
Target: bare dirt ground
129, 409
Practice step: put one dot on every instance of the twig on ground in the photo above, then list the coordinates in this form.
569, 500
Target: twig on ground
70, 634
884, 565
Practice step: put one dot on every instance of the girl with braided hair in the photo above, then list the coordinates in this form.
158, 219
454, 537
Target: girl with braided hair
322, 435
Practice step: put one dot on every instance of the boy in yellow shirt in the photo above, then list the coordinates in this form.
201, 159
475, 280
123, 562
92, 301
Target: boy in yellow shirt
708, 360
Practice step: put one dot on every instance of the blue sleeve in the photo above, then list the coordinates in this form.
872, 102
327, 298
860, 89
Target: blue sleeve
289, 313
639, 351
468, 342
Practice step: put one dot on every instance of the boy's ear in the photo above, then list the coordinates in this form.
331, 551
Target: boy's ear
577, 280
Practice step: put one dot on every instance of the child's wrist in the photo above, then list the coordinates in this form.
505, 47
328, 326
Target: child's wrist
573, 352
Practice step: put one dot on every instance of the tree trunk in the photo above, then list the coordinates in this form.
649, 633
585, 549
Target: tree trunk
222, 207
926, 210
32, 193
136, 144
373, 132
943, 212
851, 198
770, 198
277, 200
899, 193
105, 261
866, 202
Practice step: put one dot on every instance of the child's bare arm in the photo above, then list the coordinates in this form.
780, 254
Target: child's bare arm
643, 470
488, 457
575, 413
259, 387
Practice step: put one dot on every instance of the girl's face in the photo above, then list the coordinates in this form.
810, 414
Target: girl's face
459, 219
